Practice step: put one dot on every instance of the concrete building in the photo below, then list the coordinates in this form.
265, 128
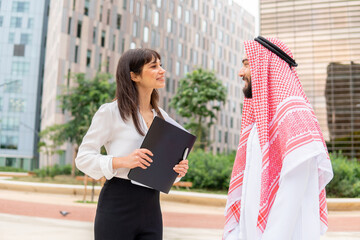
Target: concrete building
23, 27
320, 34
85, 34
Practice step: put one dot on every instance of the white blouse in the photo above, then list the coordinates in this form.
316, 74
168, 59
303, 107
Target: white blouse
119, 137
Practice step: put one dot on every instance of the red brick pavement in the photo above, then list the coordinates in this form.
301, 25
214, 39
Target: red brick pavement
337, 223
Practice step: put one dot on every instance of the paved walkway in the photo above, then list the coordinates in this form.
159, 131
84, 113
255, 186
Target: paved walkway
31, 215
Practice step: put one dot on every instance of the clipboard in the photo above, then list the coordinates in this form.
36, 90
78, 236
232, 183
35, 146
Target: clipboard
169, 144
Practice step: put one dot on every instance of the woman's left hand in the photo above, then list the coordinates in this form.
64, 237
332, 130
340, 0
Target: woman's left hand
182, 167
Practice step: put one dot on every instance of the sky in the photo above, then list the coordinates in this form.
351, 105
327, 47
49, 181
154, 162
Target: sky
253, 7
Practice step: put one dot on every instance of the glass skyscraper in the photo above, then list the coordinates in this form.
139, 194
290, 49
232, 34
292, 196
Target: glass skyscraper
22, 49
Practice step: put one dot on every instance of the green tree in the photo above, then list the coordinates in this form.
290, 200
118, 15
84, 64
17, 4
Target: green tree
81, 102
199, 97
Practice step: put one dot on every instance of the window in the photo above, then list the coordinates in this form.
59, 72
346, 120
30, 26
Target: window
16, 105
25, 38
11, 37
20, 68
118, 21
10, 123
135, 29
79, 25
0, 98
124, 4
137, 9
177, 71
100, 15
219, 136
204, 25
30, 23
15, 22
94, 34
19, 50
179, 12
103, 38
146, 34
180, 50
76, 53
9, 142
169, 25
114, 42
74, 4
88, 58
108, 17
86, 8
1, 20
153, 38
187, 16
158, 3
20, 6
131, 7
132, 45
122, 45
69, 26
156, 18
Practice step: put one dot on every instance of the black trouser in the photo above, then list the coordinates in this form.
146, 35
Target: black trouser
128, 212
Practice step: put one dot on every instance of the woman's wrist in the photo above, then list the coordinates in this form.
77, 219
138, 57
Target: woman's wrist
118, 162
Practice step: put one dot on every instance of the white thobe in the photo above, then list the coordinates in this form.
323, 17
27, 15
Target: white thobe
295, 212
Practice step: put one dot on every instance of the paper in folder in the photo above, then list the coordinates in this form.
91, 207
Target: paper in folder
169, 144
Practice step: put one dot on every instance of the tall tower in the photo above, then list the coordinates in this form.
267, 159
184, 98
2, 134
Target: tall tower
23, 26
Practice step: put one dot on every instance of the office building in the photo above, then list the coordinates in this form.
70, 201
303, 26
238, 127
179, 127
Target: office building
325, 39
22, 48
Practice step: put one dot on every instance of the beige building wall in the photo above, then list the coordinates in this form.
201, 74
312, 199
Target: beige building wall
319, 32
187, 34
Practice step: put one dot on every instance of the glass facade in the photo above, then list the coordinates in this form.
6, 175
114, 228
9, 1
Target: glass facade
325, 39
21, 55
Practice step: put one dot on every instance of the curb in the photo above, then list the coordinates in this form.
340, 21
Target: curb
334, 204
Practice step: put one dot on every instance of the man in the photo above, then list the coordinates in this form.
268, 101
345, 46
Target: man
277, 187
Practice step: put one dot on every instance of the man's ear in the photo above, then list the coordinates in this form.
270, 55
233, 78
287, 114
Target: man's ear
134, 77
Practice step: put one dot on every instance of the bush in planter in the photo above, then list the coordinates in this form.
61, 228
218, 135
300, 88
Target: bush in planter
209, 171
346, 180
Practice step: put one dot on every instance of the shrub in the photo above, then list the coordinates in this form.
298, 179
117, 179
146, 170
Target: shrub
346, 181
55, 170
209, 171
11, 169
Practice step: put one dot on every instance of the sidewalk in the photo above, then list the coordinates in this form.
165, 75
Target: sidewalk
29, 213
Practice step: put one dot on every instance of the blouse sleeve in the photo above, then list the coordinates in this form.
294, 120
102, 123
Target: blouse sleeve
89, 159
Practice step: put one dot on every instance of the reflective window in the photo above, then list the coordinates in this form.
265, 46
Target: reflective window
25, 38
9, 142
135, 29
20, 68
16, 105
15, 22
20, 6
146, 34
10, 123
156, 18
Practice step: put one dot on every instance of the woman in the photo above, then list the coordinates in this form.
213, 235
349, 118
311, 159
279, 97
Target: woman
127, 211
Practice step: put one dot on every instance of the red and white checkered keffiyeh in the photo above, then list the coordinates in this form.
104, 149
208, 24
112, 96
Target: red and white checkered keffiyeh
285, 121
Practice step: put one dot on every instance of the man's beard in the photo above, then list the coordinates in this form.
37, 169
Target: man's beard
248, 90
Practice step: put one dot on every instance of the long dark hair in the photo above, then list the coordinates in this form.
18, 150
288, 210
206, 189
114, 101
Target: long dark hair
127, 94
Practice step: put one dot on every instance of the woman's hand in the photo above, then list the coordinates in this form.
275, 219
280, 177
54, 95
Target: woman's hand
138, 158
182, 167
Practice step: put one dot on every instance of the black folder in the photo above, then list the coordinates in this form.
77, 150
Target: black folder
169, 144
